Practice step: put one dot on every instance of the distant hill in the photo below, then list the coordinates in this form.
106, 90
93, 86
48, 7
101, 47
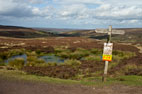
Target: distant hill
131, 34
22, 32
54, 30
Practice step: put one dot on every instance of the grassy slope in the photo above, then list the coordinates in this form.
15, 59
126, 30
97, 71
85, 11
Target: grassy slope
22, 32
18, 75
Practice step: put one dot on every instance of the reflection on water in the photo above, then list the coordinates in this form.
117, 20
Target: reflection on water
24, 56
52, 58
47, 58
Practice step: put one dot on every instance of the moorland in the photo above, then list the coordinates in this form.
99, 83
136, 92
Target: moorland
81, 55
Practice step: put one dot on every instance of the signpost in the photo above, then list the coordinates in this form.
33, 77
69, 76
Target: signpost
107, 52
114, 31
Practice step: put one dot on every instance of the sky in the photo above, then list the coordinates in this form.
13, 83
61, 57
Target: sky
75, 14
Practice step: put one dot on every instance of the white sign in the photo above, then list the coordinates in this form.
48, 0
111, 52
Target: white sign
114, 31
107, 52
108, 48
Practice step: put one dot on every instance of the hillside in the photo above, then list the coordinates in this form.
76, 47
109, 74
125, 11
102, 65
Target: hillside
54, 30
131, 35
22, 32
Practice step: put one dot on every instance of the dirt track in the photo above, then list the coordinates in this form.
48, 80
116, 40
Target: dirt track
25, 87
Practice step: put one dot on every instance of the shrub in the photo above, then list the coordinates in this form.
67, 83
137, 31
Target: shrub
17, 63
63, 72
35, 62
116, 58
38, 51
130, 67
96, 51
2, 64
15, 52
31, 58
49, 49
79, 53
72, 62
51, 64
1, 60
92, 58
118, 55
4, 55
63, 54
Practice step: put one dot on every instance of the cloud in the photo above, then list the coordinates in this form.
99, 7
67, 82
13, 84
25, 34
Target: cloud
12, 8
79, 1
77, 11
73, 12
36, 1
21, 8
118, 12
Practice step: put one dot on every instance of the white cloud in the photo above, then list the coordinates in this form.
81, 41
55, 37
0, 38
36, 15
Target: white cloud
79, 1
118, 12
77, 11
74, 12
12, 8
20, 8
36, 1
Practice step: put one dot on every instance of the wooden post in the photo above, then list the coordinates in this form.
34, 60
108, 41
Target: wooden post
106, 62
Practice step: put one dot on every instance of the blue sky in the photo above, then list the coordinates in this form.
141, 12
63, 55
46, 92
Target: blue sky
79, 14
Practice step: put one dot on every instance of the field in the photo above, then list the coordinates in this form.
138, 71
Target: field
82, 67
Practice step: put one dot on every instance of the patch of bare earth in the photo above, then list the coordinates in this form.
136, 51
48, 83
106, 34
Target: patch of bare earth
26, 87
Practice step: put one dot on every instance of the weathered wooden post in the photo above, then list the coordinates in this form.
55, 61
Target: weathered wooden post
107, 52
110, 57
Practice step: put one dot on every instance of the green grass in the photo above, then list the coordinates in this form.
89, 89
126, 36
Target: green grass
19, 75
95, 81
93, 58
131, 80
17, 63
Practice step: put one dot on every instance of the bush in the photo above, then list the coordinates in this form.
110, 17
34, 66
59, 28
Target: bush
38, 51
31, 58
2, 64
4, 55
79, 53
63, 54
63, 72
15, 52
72, 62
50, 64
35, 62
96, 51
17, 63
92, 58
119, 55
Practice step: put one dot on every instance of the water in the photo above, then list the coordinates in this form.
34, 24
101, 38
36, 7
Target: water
46, 58
24, 56
52, 58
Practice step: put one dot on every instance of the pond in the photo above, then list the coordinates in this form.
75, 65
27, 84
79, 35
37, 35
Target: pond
24, 56
46, 58
52, 58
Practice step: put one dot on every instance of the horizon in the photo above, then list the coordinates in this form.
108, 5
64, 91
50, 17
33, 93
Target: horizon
71, 14
69, 28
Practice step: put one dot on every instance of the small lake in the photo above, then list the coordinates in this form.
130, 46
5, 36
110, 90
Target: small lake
52, 58
24, 56
46, 58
